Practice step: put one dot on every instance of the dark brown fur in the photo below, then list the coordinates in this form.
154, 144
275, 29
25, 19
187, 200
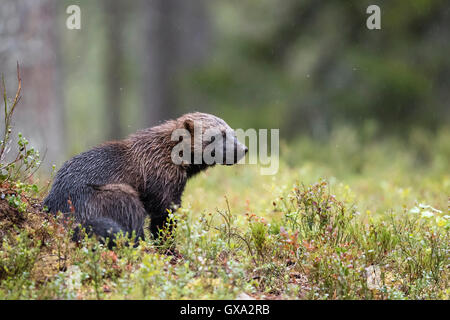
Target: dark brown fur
114, 186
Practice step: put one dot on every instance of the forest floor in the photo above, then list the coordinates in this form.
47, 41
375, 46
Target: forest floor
340, 220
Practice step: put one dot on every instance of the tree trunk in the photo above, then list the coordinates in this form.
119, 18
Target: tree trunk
176, 37
29, 35
114, 65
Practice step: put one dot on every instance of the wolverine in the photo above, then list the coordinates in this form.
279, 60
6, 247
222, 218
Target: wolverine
113, 187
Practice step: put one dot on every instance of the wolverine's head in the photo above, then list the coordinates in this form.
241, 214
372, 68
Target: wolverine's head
204, 139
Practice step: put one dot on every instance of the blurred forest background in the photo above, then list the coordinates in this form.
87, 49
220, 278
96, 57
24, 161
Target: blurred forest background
306, 67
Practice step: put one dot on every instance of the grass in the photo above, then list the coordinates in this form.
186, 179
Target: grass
378, 229
342, 219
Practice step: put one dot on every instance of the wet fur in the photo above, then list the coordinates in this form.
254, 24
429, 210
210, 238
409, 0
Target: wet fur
114, 186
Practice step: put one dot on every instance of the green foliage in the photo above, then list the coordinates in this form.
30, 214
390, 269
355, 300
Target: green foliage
311, 244
27, 159
310, 66
17, 256
367, 221
26, 162
271, 237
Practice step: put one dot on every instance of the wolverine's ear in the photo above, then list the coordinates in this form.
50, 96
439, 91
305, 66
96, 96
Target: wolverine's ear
189, 125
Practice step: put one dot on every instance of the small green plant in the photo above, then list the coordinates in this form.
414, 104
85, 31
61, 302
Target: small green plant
311, 242
27, 160
18, 256
166, 236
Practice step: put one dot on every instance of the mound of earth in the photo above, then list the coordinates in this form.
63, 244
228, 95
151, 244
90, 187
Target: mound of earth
44, 231
12, 221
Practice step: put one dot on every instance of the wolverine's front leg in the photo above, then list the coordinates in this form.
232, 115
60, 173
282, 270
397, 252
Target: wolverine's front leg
158, 208
162, 223
156, 224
